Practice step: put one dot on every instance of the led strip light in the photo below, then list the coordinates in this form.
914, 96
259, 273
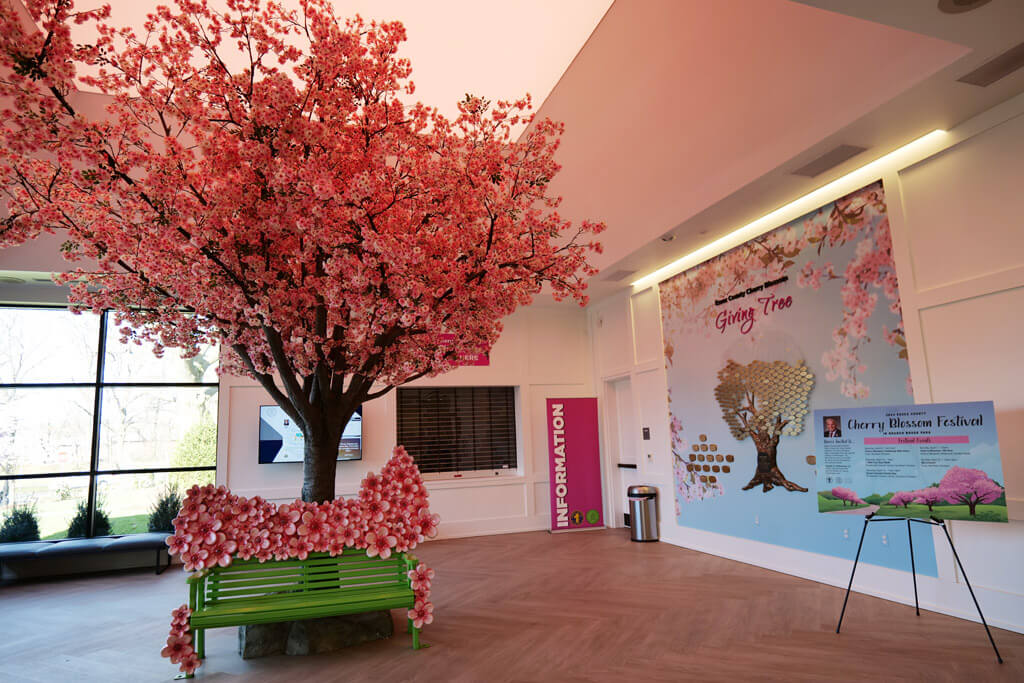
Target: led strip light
908, 154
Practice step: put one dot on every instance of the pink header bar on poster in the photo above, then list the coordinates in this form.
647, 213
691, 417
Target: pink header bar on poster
891, 440
576, 501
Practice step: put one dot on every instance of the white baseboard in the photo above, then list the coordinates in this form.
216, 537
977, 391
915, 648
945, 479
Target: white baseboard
1002, 609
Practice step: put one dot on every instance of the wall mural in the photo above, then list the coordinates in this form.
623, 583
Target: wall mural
806, 316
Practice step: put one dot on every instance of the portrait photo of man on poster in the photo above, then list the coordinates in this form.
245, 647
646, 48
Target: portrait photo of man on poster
831, 424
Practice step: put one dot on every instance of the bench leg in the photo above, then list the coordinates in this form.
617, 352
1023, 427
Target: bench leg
159, 569
415, 636
200, 643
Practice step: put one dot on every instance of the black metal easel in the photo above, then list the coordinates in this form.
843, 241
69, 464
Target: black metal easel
932, 522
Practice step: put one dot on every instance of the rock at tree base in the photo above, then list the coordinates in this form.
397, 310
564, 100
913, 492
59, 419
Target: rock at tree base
313, 636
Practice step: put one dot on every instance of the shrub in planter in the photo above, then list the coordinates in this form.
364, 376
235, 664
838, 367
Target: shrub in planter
161, 517
80, 523
20, 525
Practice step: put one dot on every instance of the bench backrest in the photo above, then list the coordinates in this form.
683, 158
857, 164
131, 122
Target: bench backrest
350, 571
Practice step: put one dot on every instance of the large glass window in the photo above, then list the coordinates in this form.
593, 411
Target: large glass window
93, 432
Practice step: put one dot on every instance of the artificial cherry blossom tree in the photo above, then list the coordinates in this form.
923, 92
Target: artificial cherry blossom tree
334, 241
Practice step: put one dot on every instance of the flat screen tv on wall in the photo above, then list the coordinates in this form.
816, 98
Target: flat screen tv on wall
281, 440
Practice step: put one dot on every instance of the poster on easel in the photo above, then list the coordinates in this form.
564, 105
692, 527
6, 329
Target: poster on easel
575, 464
938, 460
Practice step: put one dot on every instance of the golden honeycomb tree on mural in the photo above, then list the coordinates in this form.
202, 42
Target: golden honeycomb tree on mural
764, 401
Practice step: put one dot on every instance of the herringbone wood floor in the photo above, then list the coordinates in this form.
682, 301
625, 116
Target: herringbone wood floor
531, 607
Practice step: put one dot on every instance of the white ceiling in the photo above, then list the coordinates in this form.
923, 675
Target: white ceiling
688, 117
498, 50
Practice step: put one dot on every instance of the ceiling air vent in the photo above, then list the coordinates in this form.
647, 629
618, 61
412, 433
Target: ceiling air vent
829, 160
616, 275
960, 6
997, 67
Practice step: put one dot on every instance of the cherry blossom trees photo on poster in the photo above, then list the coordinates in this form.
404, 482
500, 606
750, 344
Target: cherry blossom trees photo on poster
296, 209
807, 315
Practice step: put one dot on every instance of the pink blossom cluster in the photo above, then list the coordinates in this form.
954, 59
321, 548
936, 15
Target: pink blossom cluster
903, 498
390, 515
847, 496
959, 486
689, 487
179, 647
928, 496
271, 189
422, 611
968, 486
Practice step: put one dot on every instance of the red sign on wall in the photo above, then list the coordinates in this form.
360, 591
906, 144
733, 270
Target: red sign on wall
467, 356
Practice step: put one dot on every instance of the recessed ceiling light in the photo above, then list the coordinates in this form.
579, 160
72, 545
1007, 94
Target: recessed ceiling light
668, 238
960, 6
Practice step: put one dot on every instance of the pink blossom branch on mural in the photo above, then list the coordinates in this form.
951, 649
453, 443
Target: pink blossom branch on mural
692, 300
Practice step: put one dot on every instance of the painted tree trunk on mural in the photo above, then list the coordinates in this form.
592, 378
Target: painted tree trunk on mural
768, 474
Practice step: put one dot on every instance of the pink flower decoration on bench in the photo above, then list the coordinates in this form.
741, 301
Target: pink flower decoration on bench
422, 613
390, 515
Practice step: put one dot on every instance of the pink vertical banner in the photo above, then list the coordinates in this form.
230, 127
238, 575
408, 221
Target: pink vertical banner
576, 501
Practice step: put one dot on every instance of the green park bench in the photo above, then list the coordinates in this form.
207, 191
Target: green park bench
253, 592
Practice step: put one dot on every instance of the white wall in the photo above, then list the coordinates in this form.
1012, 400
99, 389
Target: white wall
959, 241
544, 352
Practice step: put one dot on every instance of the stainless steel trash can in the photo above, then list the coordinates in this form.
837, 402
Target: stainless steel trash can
643, 513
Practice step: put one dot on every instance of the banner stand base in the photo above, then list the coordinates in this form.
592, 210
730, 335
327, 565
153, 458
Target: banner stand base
566, 531
917, 607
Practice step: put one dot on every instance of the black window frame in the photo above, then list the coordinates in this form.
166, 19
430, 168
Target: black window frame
506, 415
98, 385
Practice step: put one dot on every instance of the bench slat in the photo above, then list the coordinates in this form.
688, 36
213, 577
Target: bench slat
350, 556
247, 578
292, 613
325, 584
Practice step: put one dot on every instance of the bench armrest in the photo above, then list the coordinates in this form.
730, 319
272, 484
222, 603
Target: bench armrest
196, 577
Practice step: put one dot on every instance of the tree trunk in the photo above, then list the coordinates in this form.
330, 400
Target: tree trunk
320, 458
768, 473
319, 464
972, 506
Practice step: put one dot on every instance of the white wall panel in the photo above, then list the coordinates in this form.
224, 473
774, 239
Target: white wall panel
613, 345
975, 353
474, 503
964, 206
555, 340
647, 327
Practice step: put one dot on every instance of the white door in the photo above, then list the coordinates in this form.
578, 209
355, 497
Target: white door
620, 430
